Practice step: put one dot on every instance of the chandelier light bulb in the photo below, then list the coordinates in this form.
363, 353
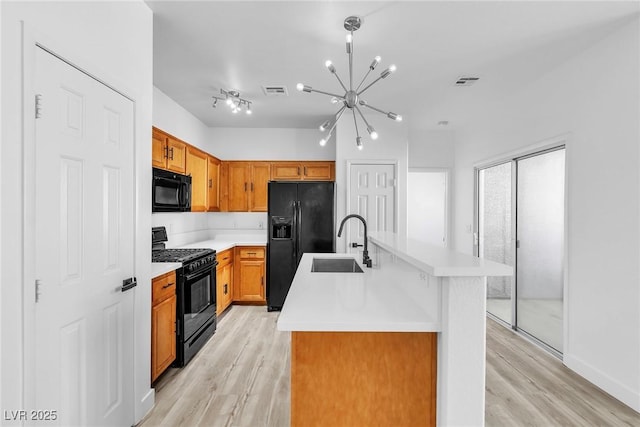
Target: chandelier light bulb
330, 66
394, 116
359, 143
349, 45
372, 132
323, 141
385, 73
325, 125
349, 38
229, 101
375, 63
249, 112
335, 100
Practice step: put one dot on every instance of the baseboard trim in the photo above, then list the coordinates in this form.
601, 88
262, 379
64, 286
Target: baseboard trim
146, 405
624, 394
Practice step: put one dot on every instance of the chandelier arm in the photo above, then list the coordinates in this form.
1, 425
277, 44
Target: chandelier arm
351, 63
370, 84
327, 93
355, 123
374, 108
340, 81
364, 78
362, 115
338, 116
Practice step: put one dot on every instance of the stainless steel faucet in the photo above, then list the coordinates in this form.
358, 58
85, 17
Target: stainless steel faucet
365, 254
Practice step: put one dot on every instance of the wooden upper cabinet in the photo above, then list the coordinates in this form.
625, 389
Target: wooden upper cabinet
318, 171
213, 184
239, 176
167, 152
301, 171
288, 171
247, 185
260, 175
158, 149
197, 162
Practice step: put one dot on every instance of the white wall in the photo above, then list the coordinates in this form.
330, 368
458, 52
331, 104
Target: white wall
593, 97
392, 144
174, 119
110, 40
431, 148
269, 144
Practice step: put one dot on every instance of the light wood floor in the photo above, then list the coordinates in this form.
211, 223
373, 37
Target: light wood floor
241, 378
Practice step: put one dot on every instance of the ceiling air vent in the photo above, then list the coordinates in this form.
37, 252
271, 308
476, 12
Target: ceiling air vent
275, 90
466, 81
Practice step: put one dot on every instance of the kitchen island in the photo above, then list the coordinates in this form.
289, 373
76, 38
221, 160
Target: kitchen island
400, 343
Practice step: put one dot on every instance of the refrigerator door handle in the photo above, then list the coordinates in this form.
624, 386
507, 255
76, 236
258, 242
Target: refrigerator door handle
295, 231
299, 231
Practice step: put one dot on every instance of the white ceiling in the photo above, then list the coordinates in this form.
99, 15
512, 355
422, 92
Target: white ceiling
202, 46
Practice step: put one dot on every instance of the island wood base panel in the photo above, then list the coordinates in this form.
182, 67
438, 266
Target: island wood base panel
363, 378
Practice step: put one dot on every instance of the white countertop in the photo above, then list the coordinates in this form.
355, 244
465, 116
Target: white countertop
160, 268
378, 300
220, 243
435, 260
223, 242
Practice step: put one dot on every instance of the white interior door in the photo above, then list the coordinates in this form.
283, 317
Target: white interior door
84, 247
372, 195
427, 206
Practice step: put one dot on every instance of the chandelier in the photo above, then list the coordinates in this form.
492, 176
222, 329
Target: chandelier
351, 98
233, 100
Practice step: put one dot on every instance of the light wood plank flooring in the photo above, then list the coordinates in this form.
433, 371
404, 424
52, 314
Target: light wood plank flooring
241, 378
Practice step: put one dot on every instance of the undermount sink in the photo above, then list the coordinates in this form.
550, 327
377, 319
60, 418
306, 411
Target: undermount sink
335, 265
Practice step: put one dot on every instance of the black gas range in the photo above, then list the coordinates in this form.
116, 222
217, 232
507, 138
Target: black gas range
196, 294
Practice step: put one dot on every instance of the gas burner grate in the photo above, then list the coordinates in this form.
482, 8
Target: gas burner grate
178, 255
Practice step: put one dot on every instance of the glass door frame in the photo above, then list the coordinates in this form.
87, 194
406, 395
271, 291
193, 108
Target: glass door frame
513, 158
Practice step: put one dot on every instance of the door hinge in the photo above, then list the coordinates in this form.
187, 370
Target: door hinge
38, 105
38, 283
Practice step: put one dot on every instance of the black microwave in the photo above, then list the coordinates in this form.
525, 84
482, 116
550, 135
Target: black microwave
171, 192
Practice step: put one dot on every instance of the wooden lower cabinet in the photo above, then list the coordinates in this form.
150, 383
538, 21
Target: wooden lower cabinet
224, 281
249, 280
163, 323
363, 378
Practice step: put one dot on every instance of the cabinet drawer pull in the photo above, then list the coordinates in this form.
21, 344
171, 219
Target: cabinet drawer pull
251, 253
168, 285
225, 258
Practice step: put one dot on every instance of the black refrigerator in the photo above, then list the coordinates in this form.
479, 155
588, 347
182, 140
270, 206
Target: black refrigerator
301, 219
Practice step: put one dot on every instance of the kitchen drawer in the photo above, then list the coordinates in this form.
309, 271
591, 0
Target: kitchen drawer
163, 287
225, 257
252, 252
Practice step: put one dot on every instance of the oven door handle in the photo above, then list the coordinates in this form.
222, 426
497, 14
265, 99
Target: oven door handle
207, 270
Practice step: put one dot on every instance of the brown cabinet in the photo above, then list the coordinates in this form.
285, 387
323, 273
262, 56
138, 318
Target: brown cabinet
163, 323
197, 162
213, 184
301, 171
249, 285
167, 152
247, 186
224, 280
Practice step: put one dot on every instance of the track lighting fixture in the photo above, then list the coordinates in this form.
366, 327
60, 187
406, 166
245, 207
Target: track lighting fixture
233, 100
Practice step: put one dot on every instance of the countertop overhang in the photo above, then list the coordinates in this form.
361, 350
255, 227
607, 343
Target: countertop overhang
437, 261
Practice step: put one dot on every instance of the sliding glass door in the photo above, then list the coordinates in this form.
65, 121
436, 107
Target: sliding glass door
495, 234
520, 222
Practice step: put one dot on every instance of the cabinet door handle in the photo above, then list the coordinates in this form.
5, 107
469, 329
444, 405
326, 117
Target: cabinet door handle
168, 285
262, 281
298, 170
305, 171
210, 184
166, 151
245, 186
225, 289
252, 186
171, 151
225, 258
